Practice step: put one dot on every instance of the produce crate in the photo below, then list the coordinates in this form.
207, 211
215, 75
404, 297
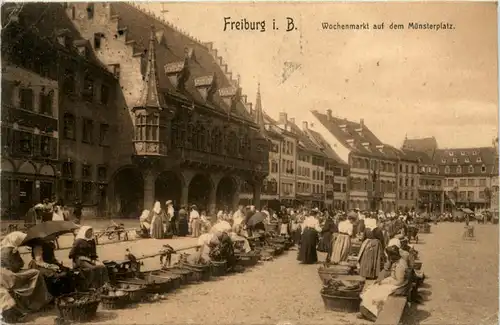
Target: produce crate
341, 304
78, 306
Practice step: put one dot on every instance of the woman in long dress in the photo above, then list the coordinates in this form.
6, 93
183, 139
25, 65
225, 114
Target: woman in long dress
370, 256
327, 232
342, 244
84, 256
310, 229
183, 226
157, 217
21, 291
373, 299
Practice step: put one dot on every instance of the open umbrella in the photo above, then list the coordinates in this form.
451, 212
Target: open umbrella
258, 217
49, 230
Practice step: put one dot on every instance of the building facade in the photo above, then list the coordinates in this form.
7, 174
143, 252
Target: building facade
62, 100
288, 160
179, 127
469, 175
372, 165
336, 174
408, 181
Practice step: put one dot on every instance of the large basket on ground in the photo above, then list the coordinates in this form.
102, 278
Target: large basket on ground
340, 303
187, 276
332, 271
202, 269
78, 306
176, 279
135, 291
355, 247
218, 268
248, 259
119, 300
158, 284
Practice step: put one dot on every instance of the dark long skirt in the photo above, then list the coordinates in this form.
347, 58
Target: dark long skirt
157, 230
183, 228
307, 252
92, 276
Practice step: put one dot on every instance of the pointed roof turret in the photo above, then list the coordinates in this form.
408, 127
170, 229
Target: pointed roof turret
150, 96
259, 113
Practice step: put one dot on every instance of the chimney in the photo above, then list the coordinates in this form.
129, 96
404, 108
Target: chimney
283, 118
329, 114
292, 120
304, 125
362, 123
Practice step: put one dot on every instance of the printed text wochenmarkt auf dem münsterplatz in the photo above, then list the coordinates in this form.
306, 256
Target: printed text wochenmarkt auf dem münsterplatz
368, 26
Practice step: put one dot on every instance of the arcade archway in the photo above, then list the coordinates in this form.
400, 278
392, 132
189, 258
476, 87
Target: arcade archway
168, 186
199, 191
128, 197
226, 191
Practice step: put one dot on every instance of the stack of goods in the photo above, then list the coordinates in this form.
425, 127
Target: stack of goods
343, 296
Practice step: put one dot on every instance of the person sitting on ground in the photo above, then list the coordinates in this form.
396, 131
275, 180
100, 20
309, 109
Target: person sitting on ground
84, 256
21, 291
393, 282
56, 276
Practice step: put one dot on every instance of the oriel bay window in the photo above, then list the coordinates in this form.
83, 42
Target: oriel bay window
147, 127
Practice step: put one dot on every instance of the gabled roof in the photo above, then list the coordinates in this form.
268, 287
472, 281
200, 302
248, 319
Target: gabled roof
416, 156
467, 161
274, 125
179, 48
355, 136
325, 146
428, 145
304, 142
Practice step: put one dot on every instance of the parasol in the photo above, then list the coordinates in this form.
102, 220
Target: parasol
258, 217
49, 229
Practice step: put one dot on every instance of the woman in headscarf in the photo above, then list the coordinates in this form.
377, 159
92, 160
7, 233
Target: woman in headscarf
84, 256
342, 244
157, 216
202, 254
221, 249
310, 230
329, 228
183, 227
56, 276
395, 283
370, 256
171, 219
21, 291
145, 223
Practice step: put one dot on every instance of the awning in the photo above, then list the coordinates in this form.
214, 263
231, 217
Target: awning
466, 210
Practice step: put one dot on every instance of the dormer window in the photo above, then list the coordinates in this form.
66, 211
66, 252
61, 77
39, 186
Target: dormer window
479, 160
97, 40
90, 11
350, 142
462, 153
177, 73
343, 127
81, 46
467, 160
483, 169
443, 161
471, 169
451, 153
455, 160
206, 86
459, 169
474, 153
160, 37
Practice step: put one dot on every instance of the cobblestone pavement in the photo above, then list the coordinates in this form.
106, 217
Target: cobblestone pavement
462, 279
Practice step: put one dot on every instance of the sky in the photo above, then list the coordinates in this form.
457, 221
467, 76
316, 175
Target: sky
411, 83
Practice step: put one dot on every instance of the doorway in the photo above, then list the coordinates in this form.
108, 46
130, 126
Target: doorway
25, 197
46, 190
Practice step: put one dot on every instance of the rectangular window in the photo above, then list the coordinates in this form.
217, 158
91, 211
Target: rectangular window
48, 147
86, 171
46, 101
88, 88
87, 192
68, 169
23, 143
69, 83
104, 135
97, 40
463, 182
104, 94
87, 134
90, 11
102, 173
470, 182
69, 190
26, 99
482, 182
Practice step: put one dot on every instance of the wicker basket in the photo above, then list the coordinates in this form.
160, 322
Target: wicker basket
158, 284
248, 259
176, 279
355, 247
78, 311
327, 273
135, 291
218, 268
341, 304
203, 269
115, 302
187, 276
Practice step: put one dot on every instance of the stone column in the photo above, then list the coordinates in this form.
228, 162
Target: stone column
257, 185
442, 202
149, 188
185, 195
212, 201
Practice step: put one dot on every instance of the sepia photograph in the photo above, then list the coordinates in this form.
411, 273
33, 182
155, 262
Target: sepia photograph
270, 163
